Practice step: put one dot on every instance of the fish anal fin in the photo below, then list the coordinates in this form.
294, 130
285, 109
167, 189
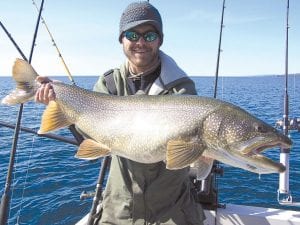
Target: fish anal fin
90, 149
53, 118
181, 154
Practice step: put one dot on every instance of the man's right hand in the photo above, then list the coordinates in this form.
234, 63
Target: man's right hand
45, 93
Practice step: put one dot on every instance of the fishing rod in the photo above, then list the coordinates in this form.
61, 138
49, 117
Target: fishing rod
75, 141
284, 195
105, 164
219, 51
32, 131
72, 128
13, 41
207, 188
5, 200
216, 168
55, 45
106, 160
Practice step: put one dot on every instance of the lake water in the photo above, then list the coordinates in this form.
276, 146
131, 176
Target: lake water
48, 180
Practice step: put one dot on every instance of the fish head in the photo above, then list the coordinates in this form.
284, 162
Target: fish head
238, 138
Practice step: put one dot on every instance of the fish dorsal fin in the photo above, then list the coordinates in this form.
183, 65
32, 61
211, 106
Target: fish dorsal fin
90, 149
22, 71
181, 154
202, 167
53, 118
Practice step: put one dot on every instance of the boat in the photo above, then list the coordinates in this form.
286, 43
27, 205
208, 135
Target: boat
218, 214
244, 215
293, 124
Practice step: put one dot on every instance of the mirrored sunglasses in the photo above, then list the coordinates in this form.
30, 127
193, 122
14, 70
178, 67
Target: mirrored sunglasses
135, 36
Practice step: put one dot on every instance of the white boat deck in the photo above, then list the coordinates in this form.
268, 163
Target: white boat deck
249, 215
245, 215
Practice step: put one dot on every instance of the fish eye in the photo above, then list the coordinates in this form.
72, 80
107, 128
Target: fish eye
259, 128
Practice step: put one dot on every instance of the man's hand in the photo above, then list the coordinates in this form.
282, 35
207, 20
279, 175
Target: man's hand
45, 93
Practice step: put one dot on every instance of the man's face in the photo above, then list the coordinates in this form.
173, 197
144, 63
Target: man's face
141, 54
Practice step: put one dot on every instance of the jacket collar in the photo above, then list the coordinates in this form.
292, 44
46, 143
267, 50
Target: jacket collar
170, 73
169, 76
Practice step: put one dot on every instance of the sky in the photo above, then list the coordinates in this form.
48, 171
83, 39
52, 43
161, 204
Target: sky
86, 33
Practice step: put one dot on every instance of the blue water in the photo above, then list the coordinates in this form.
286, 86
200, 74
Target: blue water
48, 180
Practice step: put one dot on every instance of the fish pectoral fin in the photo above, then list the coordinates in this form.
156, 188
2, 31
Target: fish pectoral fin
202, 167
53, 118
90, 149
181, 154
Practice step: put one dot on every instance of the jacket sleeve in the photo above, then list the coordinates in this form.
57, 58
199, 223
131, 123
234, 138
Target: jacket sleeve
100, 85
186, 86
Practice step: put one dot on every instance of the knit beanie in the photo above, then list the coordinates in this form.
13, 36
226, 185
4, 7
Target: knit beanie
138, 13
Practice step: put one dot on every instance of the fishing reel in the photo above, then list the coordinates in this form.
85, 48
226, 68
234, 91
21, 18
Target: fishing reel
205, 191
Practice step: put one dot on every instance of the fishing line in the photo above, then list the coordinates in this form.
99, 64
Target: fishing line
36, 115
14, 179
30, 59
14, 187
217, 163
294, 96
55, 45
25, 181
5, 200
222, 88
72, 128
284, 195
21, 107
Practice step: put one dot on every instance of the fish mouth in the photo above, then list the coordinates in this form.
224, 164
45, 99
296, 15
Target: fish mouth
258, 147
254, 149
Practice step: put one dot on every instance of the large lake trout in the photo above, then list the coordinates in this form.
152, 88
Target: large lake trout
178, 129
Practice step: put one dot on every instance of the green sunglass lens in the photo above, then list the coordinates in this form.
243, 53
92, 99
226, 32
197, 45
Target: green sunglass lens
150, 36
132, 36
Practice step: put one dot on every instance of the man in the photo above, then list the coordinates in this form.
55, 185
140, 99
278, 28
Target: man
139, 193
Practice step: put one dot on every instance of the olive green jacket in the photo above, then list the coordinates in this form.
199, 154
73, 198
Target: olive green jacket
172, 79
142, 194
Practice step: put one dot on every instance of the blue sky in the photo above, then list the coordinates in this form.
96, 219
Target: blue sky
86, 32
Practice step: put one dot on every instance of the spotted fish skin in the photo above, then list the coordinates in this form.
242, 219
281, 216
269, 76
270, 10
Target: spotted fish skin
178, 129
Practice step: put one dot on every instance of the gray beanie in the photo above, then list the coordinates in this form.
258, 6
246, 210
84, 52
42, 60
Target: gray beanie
138, 13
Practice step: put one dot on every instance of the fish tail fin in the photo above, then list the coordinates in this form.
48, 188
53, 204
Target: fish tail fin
53, 118
26, 86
